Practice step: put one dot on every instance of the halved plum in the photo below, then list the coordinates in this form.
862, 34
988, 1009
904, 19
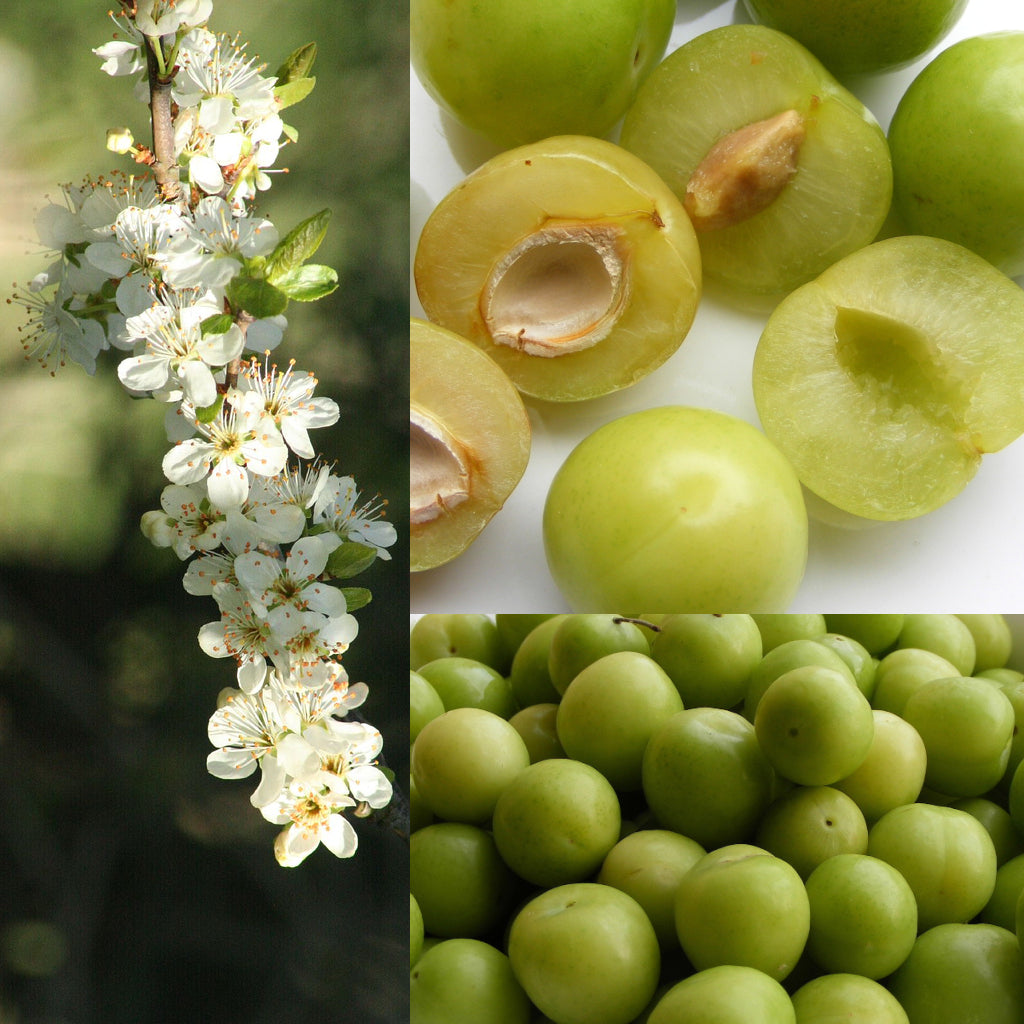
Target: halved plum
886, 379
782, 168
568, 261
469, 443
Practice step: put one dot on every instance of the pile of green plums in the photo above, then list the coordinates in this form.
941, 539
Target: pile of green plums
738, 818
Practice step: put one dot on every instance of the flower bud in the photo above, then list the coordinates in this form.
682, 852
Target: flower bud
120, 140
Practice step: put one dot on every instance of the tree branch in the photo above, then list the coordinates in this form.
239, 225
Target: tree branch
165, 167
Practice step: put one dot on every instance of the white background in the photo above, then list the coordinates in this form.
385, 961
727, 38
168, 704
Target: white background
967, 555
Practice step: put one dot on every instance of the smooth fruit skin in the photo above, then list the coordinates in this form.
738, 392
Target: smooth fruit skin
445, 635
582, 639
521, 70
861, 36
466, 979
846, 999
728, 994
585, 953
957, 144
676, 509
962, 974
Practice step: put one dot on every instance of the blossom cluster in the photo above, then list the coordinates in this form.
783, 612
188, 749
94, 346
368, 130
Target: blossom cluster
173, 268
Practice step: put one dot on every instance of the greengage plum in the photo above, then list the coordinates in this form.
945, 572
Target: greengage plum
782, 168
703, 513
731, 993
862, 36
469, 442
582, 639
521, 70
957, 142
886, 379
568, 261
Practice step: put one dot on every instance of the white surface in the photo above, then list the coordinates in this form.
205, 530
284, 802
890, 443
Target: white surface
967, 555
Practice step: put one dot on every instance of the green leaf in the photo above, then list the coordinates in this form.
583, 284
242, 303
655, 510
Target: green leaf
297, 65
219, 323
290, 93
297, 246
308, 283
356, 597
208, 413
349, 559
257, 297
291, 134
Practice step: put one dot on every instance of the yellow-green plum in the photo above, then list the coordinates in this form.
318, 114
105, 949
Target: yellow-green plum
466, 683
862, 36
463, 887
463, 760
876, 632
424, 704
811, 824
892, 772
946, 856
728, 994
611, 709
648, 865
859, 661
536, 723
705, 776
967, 726
993, 641
709, 658
520, 70
962, 974
466, 979
1001, 908
957, 143
585, 953
846, 999
863, 916
814, 726
584, 638
997, 822
788, 655
777, 629
740, 905
449, 634
692, 487
514, 627
945, 635
415, 930
529, 677
556, 821
903, 671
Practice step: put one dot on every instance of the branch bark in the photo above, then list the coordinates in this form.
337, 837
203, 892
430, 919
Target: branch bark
165, 167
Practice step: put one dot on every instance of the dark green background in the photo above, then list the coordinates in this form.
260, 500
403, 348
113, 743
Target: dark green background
135, 887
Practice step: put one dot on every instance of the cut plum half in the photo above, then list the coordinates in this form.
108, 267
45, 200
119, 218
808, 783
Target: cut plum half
469, 443
783, 169
886, 379
568, 261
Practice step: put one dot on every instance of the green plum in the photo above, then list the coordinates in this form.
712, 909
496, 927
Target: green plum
876, 632
556, 821
610, 711
778, 629
967, 727
1001, 908
445, 635
514, 627
862, 36
892, 773
709, 658
962, 974
705, 776
424, 704
846, 999
728, 994
863, 916
946, 635
945, 854
740, 905
463, 887
811, 824
415, 930
814, 726
582, 639
536, 723
694, 488
520, 70
648, 865
998, 823
529, 678
857, 658
466, 979
993, 641
782, 169
463, 760
903, 671
585, 953
781, 659
957, 143
887, 378
465, 683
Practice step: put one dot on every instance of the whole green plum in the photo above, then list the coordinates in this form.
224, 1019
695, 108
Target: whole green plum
957, 145
521, 70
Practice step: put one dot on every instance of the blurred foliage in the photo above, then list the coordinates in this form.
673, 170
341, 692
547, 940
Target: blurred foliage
137, 888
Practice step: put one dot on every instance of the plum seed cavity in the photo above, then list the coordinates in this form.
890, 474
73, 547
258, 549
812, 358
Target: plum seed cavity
560, 289
439, 468
745, 171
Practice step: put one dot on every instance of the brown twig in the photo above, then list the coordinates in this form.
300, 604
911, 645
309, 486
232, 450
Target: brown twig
165, 167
